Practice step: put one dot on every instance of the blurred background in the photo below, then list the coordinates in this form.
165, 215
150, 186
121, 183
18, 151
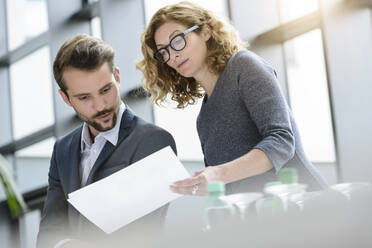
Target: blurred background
321, 50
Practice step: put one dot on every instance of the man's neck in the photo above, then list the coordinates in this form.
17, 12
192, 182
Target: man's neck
92, 133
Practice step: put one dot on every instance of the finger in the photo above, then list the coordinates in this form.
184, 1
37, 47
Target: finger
197, 173
184, 183
190, 181
181, 190
189, 190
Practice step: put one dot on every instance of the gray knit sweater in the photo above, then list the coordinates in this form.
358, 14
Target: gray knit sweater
245, 111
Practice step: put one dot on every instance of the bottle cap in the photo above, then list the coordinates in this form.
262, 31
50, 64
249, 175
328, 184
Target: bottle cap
269, 184
288, 175
215, 186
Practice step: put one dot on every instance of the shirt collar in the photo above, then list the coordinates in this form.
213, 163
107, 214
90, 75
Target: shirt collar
111, 135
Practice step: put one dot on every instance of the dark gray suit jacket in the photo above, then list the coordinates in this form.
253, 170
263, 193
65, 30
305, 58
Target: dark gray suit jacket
60, 220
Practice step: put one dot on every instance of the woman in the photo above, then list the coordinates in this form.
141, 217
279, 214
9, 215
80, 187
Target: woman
245, 127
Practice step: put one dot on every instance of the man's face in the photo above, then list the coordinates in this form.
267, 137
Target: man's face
94, 95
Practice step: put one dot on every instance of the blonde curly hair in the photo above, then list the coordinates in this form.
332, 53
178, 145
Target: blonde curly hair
160, 79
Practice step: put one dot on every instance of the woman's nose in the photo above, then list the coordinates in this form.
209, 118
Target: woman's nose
173, 55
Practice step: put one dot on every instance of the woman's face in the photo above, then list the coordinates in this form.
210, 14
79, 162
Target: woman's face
191, 60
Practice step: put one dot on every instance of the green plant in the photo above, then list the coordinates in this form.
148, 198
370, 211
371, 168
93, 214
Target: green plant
15, 200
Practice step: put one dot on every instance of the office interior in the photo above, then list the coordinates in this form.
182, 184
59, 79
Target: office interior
320, 49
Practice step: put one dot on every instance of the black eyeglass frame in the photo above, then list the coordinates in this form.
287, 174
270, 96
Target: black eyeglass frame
158, 52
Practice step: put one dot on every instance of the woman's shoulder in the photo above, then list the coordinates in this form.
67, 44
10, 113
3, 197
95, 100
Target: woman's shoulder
245, 56
248, 60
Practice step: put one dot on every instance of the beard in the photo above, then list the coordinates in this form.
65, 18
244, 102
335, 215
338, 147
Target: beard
98, 126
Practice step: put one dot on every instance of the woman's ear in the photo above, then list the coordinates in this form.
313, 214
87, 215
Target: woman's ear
206, 32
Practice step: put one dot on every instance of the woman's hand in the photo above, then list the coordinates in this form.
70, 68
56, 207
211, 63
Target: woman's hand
196, 185
252, 163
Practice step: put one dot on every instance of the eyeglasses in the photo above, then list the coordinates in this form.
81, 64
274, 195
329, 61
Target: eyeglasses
177, 43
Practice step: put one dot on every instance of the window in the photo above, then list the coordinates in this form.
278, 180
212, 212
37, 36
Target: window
218, 7
9, 159
95, 25
31, 93
26, 19
5, 124
32, 165
181, 123
293, 9
2, 193
308, 94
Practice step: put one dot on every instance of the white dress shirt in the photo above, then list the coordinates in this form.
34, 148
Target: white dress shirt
91, 150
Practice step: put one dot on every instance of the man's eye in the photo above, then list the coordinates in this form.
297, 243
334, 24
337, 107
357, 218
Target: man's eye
105, 90
83, 98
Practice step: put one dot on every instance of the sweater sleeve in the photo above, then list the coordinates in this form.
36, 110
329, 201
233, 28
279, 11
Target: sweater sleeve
261, 94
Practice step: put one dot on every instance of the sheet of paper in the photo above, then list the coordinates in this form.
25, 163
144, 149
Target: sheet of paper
130, 193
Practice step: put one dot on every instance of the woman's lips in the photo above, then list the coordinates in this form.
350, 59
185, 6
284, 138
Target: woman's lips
178, 66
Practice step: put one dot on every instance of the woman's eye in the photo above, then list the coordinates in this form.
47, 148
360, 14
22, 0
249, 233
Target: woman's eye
178, 41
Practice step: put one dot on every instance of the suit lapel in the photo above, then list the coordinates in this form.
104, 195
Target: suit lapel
127, 121
125, 124
74, 157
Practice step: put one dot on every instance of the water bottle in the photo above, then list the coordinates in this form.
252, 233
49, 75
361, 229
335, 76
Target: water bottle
216, 212
288, 190
271, 204
244, 203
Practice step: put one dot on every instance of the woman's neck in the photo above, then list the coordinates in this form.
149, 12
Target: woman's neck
207, 80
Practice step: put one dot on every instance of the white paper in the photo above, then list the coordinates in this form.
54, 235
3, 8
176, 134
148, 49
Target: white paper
130, 193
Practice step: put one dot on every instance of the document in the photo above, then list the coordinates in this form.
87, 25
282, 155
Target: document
131, 193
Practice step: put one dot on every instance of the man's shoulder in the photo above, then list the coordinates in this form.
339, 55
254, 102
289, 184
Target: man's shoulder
147, 128
70, 137
137, 124
146, 131
150, 138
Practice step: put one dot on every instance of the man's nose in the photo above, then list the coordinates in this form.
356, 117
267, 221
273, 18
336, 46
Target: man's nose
99, 104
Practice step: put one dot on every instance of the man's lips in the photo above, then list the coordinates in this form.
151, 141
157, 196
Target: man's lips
104, 117
179, 65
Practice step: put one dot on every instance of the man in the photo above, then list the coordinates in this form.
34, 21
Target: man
111, 138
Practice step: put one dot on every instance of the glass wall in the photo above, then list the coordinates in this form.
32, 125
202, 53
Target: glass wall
32, 165
31, 93
9, 159
95, 25
5, 124
26, 19
309, 96
293, 9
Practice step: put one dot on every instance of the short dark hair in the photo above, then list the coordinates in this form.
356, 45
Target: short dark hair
82, 52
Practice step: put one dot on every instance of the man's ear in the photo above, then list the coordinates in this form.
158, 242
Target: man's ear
117, 74
206, 32
64, 97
